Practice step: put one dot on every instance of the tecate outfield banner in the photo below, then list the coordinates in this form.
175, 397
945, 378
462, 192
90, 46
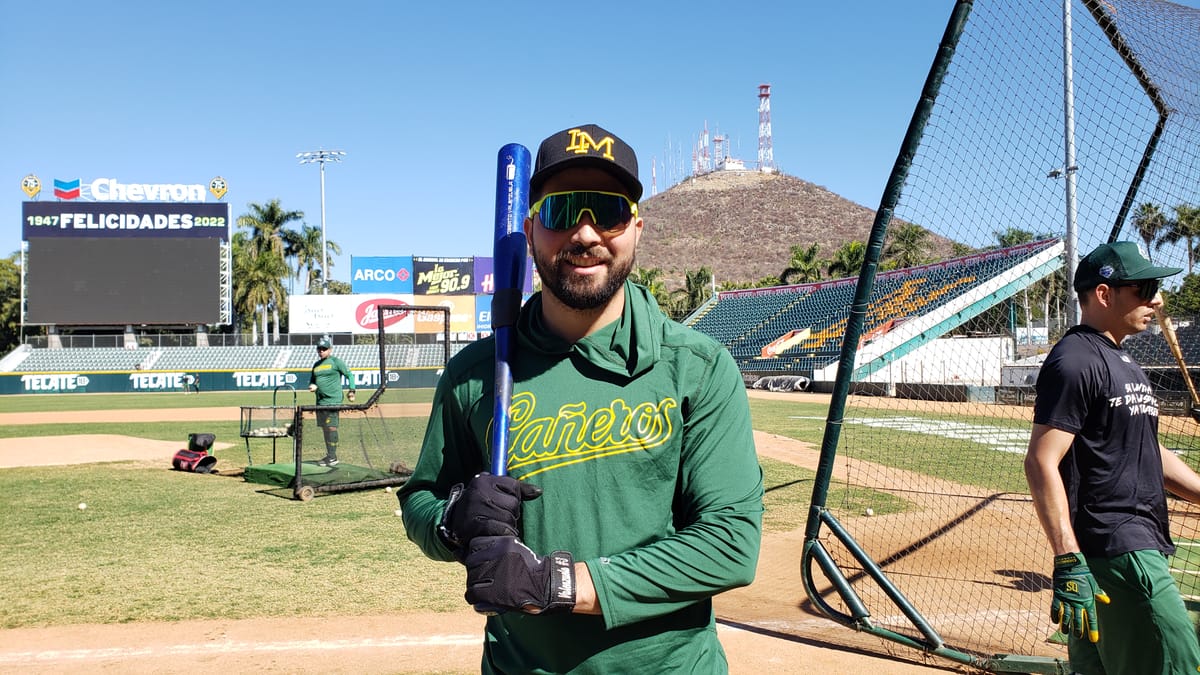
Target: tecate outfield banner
203, 380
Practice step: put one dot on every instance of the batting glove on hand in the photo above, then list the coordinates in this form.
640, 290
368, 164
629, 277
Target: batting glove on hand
1075, 597
488, 506
503, 574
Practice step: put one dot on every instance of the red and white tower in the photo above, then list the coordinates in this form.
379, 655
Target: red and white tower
766, 155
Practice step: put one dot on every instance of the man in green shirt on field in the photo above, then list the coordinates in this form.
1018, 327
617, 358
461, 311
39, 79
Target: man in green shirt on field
634, 493
326, 382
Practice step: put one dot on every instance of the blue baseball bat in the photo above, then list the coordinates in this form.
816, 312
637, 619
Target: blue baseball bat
512, 206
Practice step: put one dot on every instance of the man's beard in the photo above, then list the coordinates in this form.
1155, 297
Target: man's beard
581, 292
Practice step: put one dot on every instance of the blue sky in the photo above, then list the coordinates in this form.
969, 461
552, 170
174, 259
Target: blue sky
421, 96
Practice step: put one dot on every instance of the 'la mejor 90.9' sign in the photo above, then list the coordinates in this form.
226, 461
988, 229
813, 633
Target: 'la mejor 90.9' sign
121, 219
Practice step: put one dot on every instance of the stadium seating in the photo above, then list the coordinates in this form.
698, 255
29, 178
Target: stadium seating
747, 321
95, 359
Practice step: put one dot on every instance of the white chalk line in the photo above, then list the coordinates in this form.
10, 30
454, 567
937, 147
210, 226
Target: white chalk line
233, 647
999, 438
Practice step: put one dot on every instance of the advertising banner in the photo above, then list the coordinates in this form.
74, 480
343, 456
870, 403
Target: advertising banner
198, 381
462, 313
483, 314
103, 220
381, 274
485, 278
443, 276
348, 313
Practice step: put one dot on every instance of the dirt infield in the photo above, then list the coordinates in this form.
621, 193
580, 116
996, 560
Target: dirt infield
767, 627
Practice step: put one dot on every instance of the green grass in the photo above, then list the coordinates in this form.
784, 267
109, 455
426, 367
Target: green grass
961, 461
226, 431
47, 402
160, 545
155, 544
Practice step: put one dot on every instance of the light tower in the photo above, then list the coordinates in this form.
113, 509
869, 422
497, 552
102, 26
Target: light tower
766, 155
320, 157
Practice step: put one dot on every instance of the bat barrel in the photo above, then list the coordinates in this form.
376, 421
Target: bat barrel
512, 206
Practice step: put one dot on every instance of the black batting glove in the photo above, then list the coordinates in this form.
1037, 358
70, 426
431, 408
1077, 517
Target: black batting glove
503, 574
488, 506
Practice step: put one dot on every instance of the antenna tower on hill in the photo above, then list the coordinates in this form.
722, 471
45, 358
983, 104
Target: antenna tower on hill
766, 154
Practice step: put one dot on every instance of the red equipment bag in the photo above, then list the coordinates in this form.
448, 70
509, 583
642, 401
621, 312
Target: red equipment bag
195, 457
197, 461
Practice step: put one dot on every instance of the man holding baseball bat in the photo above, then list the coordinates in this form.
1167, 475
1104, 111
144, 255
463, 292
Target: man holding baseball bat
634, 494
1097, 473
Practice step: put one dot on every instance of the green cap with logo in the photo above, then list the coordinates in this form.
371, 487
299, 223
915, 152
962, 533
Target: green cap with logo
324, 342
1116, 263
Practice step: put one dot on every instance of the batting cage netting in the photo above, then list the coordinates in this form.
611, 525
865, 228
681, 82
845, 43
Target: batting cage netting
1045, 128
376, 439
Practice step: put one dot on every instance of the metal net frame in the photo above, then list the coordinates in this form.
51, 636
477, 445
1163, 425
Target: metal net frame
1045, 128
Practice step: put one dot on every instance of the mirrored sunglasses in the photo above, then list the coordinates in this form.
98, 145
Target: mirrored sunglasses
561, 211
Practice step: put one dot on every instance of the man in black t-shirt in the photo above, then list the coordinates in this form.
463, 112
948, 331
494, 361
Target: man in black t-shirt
1097, 473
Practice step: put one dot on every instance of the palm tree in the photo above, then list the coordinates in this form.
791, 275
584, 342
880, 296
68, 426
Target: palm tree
906, 246
1015, 236
1184, 227
333, 249
259, 286
10, 302
848, 260
303, 247
803, 266
267, 226
1150, 221
697, 289
651, 279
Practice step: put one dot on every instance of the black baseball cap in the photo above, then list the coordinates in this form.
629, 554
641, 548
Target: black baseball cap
1116, 263
586, 145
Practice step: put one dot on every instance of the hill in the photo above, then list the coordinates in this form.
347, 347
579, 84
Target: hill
742, 225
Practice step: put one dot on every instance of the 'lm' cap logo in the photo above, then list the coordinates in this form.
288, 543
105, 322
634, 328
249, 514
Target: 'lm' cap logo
582, 143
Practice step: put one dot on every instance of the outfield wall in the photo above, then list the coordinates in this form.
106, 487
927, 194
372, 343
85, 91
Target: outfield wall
201, 380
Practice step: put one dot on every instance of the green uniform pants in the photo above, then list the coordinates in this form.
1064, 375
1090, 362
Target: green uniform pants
1146, 628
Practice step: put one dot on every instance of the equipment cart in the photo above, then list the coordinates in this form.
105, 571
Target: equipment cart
268, 421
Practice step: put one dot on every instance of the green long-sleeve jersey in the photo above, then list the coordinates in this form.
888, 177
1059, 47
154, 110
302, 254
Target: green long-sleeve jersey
327, 374
640, 438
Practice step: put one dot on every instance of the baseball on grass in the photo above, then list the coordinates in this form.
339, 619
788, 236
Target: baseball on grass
870, 511
387, 489
399, 512
82, 506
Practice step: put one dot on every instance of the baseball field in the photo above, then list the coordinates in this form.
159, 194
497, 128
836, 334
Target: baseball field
116, 563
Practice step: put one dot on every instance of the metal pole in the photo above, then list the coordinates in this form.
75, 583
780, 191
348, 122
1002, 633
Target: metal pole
1071, 243
24, 258
324, 246
320, 157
